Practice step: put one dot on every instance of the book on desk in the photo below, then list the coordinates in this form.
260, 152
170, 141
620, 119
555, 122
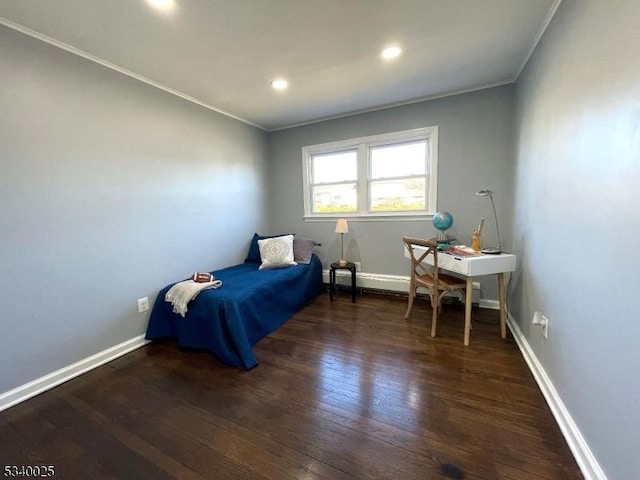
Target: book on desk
461, 251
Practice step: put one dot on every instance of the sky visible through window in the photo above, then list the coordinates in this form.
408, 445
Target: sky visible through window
335, 167
398, 160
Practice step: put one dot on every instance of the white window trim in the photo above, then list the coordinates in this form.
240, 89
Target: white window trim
362, 144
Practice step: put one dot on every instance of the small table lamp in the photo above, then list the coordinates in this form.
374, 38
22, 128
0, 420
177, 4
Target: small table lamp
342, 228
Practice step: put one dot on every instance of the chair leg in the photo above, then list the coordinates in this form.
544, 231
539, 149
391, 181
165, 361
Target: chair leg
434, 318
434, 314
441, 301
412, 294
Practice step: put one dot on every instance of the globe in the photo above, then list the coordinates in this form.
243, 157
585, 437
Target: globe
442, 221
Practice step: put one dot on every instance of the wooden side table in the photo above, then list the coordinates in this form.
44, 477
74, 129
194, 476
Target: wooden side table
332, 279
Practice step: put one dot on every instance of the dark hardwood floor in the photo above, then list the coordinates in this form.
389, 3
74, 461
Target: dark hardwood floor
343, 391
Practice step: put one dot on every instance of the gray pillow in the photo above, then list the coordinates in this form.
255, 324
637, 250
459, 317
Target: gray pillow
303, 250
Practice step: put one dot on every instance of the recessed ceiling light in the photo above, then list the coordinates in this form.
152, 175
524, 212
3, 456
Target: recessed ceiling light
164, 5
391, 52
279, 84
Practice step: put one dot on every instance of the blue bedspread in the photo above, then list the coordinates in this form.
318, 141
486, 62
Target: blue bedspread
250, 304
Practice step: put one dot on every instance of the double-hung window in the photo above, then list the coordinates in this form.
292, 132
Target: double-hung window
389, 175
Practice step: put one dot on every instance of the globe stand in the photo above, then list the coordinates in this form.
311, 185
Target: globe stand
443, 241
442, 237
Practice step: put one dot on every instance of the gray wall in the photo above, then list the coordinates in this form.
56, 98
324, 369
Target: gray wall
109, 190
577, 221
475, 151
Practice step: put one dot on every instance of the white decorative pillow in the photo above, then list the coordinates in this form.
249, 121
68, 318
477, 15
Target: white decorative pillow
276, 252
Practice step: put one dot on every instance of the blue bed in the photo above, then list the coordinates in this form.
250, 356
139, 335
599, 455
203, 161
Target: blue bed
250, 304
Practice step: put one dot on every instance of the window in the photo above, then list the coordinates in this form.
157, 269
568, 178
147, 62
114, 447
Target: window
394, 174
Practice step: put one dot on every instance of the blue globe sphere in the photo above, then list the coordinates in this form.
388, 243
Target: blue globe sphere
442, 221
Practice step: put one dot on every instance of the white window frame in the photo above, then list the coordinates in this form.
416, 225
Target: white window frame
362, 145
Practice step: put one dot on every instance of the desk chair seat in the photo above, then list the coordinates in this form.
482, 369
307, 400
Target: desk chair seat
422, 275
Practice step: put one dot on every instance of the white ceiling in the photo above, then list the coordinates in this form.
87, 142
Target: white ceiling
223, 53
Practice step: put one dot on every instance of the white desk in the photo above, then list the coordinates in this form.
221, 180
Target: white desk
474, 266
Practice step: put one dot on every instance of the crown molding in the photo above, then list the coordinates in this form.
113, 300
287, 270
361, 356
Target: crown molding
394, 105
543, 28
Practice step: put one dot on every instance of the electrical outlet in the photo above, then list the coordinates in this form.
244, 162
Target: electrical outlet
537, 318
540, 319
358, 266
143, 304
545, 326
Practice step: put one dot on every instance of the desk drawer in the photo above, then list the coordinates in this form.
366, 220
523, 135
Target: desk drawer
474, 266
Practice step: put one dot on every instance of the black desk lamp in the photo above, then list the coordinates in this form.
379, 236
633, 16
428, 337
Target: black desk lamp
494, 250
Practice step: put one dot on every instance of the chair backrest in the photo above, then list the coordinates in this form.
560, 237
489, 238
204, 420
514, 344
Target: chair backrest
418, 267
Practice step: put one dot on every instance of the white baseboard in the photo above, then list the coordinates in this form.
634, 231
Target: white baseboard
581, 451
491, 304
47, 382
393, 283
390, 283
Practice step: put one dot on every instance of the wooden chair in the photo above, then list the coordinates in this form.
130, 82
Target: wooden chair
429, 277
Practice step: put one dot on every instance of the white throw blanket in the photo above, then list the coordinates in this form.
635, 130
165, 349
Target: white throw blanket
183, 292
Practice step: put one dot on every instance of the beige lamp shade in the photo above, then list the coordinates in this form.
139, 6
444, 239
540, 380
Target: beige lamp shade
341, 226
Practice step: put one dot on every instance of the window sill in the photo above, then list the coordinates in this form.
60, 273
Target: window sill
421, 217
